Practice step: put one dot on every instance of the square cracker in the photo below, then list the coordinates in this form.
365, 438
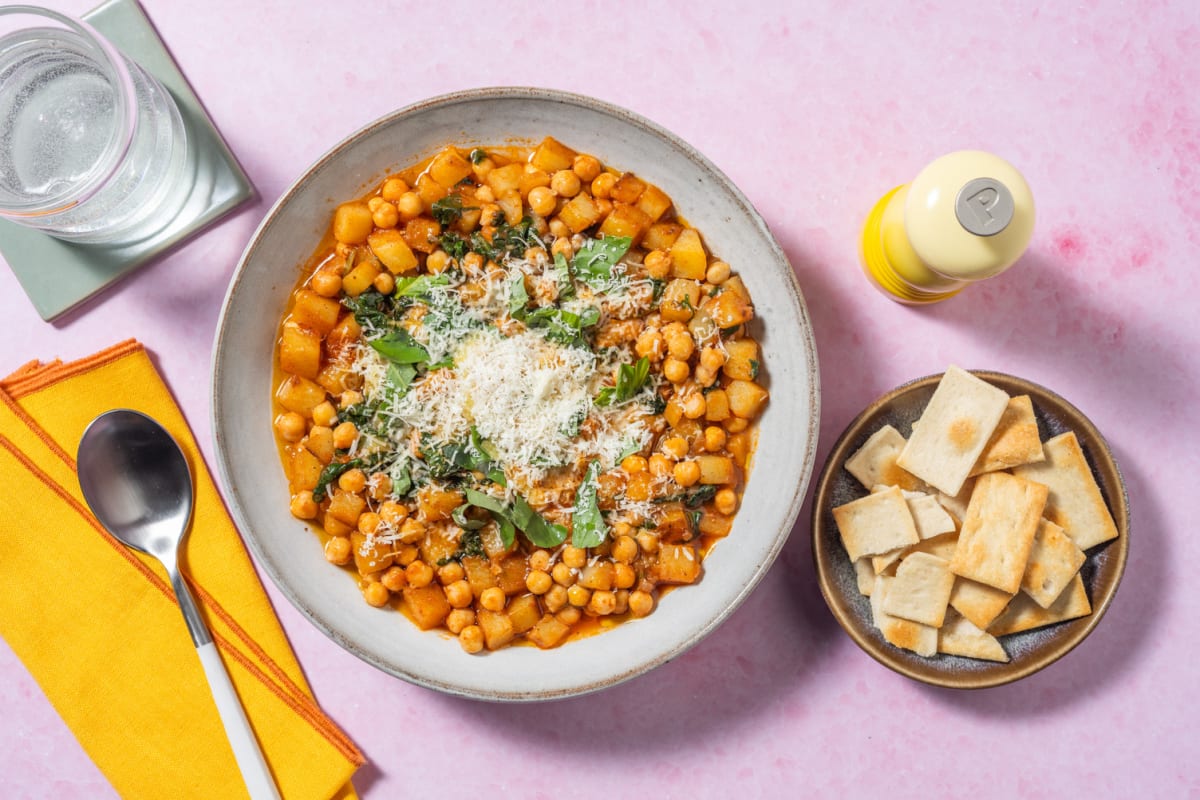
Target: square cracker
921, 590
874, 463
921, 639
1075, 503
1015, 441
875, 524
940, 546
865, 574
953, 430
978, 603
958, 637
957, 505
997, 535
1053, 561
885, 564
1023, 614
929, 516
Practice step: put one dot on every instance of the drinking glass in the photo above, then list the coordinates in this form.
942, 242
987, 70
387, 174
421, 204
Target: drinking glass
92, 148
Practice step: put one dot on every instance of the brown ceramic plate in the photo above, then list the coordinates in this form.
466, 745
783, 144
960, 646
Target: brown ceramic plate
1029, 651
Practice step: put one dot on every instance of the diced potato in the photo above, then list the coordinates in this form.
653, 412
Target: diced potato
679, 300
437, 504
300, 395
479, 574
746, 398
493, 543
688, 259
430, 190
688, 428
736, 284
661, 235
512, 206
598, 575
346, 507
729, 310
580, 213
524, 613
715, 469
378, 556
435, 546
701, 327
674, 521
345, 333
359, 279
299, 350
677, 563
637, 487
625, 220
318, 313
552, 155
428, 605
717, 406
548, 632
421, 234
320, 446
654, 202
334, 526
739, 446
531, 179
449, 167
512, 575
497, 628
673, 412
304, 469
352, 223
391, 249
741, 363
503, 180
336, 378
714, 524
627, 189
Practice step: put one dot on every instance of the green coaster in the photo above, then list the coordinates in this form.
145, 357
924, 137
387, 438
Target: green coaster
58, 275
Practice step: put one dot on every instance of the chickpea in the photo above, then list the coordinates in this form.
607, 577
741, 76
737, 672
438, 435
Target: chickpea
634, 464
714, 439
694, 406
559, 229
718, 272
674, 370
586, 167
392, 189
376, 594
406, 555
542, 201
374, 203
484, 194
563, 247
705, 376
659, 465
290, 426
687, 473
483, 168
565, 183
344, 435
640, 603
539, 560
349, 398
556, 598
437, 262
650, 345
622, 606
569, 615
681, 345
658, 264
648, 542
409, 206
625, 550
392, 513
676, 447
419, 574
471, 638
411, 530
384, 283
451, 572
324, 414
624, 576
622, 529
736, 424
352, 480
574, 557
379, 486
385, 216
602, 185
472, 263
459, 619
459, 594
303, 506
562, 574
725, 501
602, 603
492, 598
337, 550
578, 596
713, 358
368, 522
326, 283
334, 526
604, 206
538, 582
394, 579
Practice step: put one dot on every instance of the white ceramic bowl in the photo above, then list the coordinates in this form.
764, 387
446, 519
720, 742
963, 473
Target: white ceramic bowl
242, 406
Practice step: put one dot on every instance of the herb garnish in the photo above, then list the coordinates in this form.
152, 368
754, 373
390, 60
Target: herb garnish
399, 347
588, 528
692, 498
330, 474
630, 380
478, 155
519, 516
449, 209
595, 260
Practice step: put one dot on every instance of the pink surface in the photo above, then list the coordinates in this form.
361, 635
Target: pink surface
814, 114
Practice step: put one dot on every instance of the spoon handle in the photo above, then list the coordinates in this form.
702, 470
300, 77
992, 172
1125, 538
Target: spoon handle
249, 757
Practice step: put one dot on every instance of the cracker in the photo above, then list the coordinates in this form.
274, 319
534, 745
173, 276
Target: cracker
921, 639
953, 430
1053, 561
875, 524
929, 517
1024, 614
1015, 441
921, 590
978, 603
958, 637
957, 504
997, 535
884, 564
865, 574
940, 546
875, 462
1075, 503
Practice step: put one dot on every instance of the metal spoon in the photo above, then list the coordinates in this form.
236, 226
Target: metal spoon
137, 483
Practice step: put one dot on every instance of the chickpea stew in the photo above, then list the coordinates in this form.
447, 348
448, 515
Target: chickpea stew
516, 395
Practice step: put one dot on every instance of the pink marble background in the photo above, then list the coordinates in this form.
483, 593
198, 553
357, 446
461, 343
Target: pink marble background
814, 112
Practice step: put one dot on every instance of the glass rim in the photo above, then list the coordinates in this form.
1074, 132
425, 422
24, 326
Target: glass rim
117, 70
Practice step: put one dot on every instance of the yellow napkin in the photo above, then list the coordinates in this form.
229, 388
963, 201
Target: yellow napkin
97, 625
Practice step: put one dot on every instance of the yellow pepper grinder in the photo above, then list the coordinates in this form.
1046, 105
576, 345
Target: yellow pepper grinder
965, 217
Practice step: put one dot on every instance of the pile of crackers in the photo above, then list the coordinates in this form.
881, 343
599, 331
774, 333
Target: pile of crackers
974, 528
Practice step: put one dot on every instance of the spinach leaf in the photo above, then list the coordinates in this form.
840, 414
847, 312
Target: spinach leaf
518, 297
371, 309
470, 544
468, 455
564, 276
588, 528
694, 519
692, 498
330, 474
455, 246
399, 347
754, 365
520, 516
402, 482
401, 376
596, 258
630, 380
449, 208
564, 327
418, 286
459, 515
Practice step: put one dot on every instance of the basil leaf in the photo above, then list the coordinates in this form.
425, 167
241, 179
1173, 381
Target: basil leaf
694, 518
518, 297
520, 516
402, 482
596, 258
398, 346
631, 447
461, 520
419, 285
692, 498
630, 380
449, 208
330, 474
587, 524
565, 279
401, 376
564, 327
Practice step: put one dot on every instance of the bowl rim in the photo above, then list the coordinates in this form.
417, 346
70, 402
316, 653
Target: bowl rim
795, 301
1060, 646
